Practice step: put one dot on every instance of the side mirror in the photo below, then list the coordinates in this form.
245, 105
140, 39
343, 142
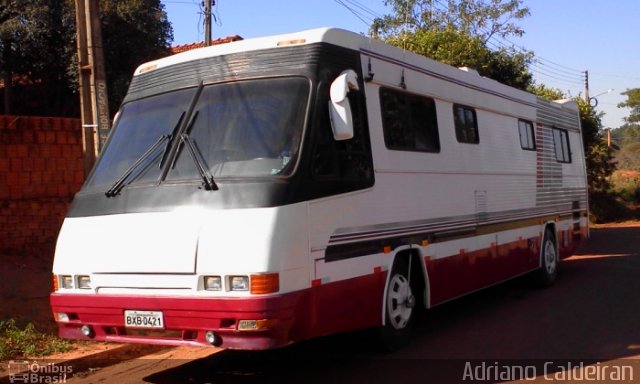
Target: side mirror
339, 108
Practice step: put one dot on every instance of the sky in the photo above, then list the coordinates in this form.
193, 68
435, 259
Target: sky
568, 37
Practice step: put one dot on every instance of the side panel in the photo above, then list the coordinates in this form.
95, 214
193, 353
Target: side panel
475, 212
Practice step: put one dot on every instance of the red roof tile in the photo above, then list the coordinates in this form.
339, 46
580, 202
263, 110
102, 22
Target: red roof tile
188, 47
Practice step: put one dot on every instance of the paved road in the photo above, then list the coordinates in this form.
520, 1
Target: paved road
591, 316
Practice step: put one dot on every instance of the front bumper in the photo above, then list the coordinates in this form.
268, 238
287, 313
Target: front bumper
186, 320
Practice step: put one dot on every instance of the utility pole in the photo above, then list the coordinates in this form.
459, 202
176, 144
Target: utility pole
586, 87
207, 22
94, 104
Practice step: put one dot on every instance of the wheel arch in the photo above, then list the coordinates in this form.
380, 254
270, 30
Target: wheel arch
414, 254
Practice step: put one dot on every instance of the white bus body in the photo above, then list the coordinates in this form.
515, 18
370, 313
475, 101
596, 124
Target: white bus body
226, 210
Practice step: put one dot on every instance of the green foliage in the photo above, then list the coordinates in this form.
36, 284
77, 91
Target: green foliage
626, 134
458, 36
545, 92
38, 50
133, 32
33, 41
22, 342
509, 67
628, 157
479, 18
627, 185
627, 141
633, 102
626, 180
599, 157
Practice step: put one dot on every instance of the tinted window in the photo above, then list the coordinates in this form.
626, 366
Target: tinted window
346, 160
561, 145
409, 121
141, 124
247, 128
238, 129
527, 136
466, 124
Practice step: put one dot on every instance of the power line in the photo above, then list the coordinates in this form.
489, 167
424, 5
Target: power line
364, 8
618, 76
356, 13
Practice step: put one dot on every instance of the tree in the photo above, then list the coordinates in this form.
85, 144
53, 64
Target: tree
633, 102
133, 32
599, 157
457, 35
545, 92
38, 51
479, 18
627, 134
11, 31
628, 157
34, 51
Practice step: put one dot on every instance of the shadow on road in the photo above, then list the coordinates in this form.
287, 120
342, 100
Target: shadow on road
591, 315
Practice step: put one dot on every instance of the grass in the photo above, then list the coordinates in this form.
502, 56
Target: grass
18, 341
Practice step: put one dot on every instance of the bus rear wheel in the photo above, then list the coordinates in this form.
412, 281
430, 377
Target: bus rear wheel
400, 307
549, 259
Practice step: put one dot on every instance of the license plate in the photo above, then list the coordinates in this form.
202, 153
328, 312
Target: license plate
143, 319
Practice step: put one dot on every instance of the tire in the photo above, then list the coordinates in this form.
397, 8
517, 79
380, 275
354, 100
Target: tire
400, 307
549, 261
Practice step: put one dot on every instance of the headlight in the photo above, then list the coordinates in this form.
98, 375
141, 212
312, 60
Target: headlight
239, 283
212, 283
66, 281
84, 282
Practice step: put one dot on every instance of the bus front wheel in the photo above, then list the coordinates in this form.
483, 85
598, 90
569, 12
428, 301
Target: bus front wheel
400, 306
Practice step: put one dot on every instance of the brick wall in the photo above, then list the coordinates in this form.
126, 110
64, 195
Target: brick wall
41, 168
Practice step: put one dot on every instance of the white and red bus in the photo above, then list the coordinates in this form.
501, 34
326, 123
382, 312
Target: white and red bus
271, 190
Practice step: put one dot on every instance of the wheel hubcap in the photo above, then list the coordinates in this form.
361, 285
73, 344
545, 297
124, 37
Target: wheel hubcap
400, 301
550, 257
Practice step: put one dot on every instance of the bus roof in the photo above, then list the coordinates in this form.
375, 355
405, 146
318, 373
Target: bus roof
334, 36
351, 40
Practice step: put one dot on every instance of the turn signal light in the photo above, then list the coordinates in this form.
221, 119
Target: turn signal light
266, 283
256, 325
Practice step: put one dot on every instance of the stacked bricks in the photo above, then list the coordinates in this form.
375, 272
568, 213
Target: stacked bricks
41, 168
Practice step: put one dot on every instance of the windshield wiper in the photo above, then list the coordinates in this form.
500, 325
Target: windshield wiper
199, 161
207, 180
119, 184
171, 136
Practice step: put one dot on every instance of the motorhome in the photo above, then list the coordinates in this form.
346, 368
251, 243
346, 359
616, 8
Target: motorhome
271, 190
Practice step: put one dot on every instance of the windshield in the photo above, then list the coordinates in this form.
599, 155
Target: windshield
238, 129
